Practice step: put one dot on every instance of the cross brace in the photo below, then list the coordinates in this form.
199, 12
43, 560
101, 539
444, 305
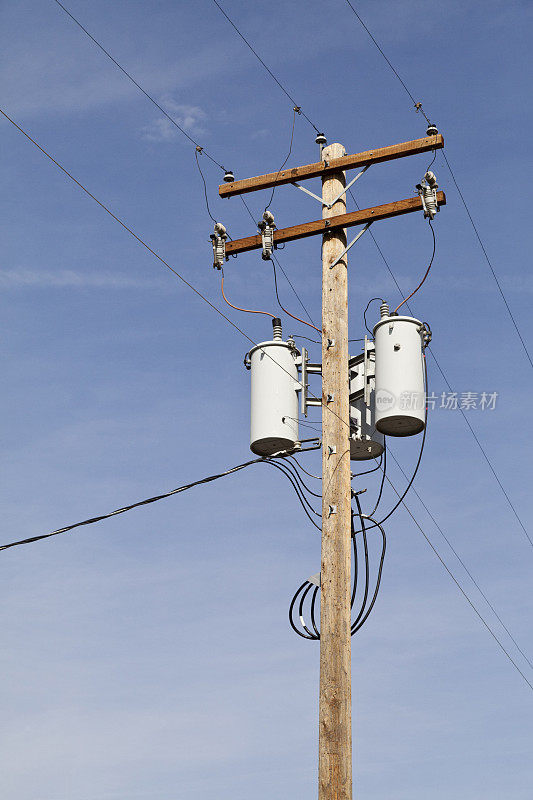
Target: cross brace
367, 158
362, 217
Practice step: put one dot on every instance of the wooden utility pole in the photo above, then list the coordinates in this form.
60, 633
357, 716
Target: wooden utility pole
335, 704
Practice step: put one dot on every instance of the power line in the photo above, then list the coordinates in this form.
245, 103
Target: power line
418, 107
138, 85
141, 242
159, 258
454, 579
487, 259
458, 557
463, 414
256, 54
199, 148
417, 104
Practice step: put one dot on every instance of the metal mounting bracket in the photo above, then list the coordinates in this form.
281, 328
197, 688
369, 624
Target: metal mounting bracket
307, 369
364, 230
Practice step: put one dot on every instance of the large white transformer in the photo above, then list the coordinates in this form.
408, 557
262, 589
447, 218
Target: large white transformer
274, 395
400, 395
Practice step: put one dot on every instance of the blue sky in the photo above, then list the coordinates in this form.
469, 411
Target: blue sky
150, 656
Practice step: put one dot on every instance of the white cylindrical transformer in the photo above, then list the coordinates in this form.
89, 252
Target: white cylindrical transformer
365, 441
274, 398
400, 397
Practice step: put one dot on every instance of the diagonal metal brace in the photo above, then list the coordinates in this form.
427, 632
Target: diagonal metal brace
330, 205
367, 226
303, 189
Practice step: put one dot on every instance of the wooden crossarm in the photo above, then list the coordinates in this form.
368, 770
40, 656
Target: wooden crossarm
361, 217
335, 165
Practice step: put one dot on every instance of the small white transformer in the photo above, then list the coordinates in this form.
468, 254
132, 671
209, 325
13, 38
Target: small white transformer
274, 394
400, 395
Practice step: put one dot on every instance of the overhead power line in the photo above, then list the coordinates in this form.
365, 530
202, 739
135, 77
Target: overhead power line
145, 245
454, 579
487, 259
256, 54
447, 382
138, 85
418, 107
462, 563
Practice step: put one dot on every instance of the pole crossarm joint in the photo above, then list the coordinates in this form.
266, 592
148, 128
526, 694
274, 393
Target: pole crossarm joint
361, 217
332, 166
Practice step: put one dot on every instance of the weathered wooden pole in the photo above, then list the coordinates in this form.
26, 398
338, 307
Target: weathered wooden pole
335, 713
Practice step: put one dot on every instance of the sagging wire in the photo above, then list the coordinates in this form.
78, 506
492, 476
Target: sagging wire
296, 110
425, 274
237, 308
312, 632
309, 325
178, 490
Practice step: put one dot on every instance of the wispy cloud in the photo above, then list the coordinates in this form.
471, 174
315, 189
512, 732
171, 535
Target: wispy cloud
188, 117
66, 278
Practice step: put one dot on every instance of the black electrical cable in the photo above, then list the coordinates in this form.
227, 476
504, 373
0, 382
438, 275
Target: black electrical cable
204, 183
366, 309
363, 619
299, 481
384, 472
296, 110
367, 564
138, 85
316, 477
303, 501
247, 207
417, 465
273, 261
293, 468
368, 471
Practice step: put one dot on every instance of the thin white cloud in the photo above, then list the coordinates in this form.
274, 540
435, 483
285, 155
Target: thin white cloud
188, 117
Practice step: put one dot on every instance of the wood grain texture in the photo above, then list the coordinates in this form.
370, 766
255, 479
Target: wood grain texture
318, 169
334, 222
335, 726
